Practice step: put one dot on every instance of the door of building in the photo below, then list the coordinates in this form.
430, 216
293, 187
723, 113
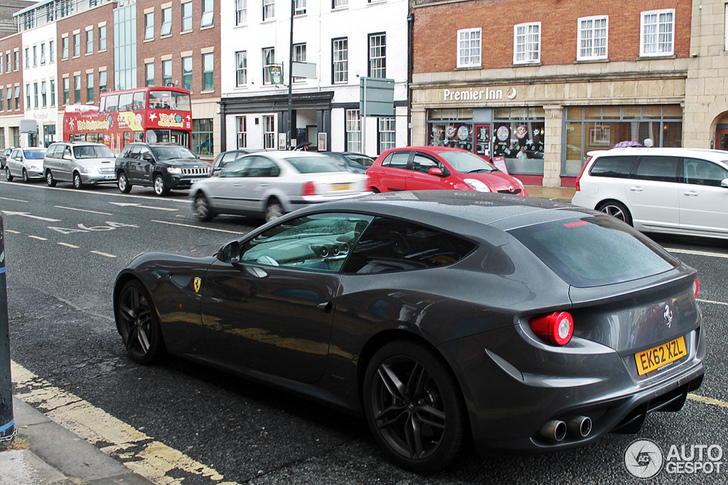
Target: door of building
482, 140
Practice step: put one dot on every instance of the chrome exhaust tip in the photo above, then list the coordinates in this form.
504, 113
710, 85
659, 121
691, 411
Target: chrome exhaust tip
579, 427
554, 430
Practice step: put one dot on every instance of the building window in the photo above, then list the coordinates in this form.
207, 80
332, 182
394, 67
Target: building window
148, 25
89, 41
27, 96
42, 56
16, 60
77, 88
7, 62
340, 54
269, 133
43, 95
66, 90
300, 7
89, 87
269, 60
299, 55
469, 47
149, 73
53, 92
166, 21
166, 72
339, 3
17, 101
186, 17
241, 12
527, 43
187, 72
208, 7
242, 132
269, 9
64, 48
657, 31
387, 138
208, 66
1, 63
353, 131
241, 68
202, 137
2, 108
102, 82
51, 51
592, 38
35, 55
76, 44
102, 37
27, 57
35, 95
377, 56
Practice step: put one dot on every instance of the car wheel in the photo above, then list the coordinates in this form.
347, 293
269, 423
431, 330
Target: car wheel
77, 182
49, 179
375, 190
160, 188
414, 407
123, 183
136, 320
273, 210
8, 176
26, 179
202, 208
616, 209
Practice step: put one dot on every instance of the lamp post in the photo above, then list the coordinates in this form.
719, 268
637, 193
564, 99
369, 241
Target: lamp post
7, 422
290, 80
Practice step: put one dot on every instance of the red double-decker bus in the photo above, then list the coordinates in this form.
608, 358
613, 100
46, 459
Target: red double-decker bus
150, 114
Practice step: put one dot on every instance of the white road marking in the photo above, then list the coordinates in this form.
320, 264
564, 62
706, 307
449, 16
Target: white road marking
104, 254
151, 459
713, 302
14, 200
11, 231
138, 204
76, 209
68, 245
200, 227
38, 238
89, 193
697, 253
28, 214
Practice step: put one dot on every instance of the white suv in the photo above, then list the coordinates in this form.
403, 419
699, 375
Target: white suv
671, 190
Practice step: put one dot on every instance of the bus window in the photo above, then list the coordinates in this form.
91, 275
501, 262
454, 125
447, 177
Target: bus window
125, 101
102, 104
139, 100
138, 136
112, 103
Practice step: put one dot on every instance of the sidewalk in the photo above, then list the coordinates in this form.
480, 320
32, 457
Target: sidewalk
557, 193
55, 456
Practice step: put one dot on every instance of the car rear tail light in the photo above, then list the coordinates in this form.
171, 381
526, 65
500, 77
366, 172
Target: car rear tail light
556, 328
696, 286
309, 188
578, 179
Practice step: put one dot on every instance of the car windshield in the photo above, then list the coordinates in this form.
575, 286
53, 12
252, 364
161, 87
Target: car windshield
34, 154
360, 160
466, 162
172, 152
594, 251
314, 164
92, 151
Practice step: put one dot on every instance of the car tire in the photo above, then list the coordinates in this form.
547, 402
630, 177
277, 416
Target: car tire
202, 208
49, 179
8, 175
273, 210
160, 186
375, 190
26, 178
617, 210
77, 181
137, 323
419, 422
123, 183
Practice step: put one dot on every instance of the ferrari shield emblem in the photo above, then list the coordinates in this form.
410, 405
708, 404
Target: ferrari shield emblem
197, 284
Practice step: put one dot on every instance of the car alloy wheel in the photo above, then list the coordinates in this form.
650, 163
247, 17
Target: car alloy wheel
616, 210
136, 320
202, 208
273, 210
8, 175
49, 179
77, 182
123, 183
414, 406
160, 188
26, 178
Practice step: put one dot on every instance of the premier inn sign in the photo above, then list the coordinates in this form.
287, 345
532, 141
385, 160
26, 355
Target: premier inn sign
471, 94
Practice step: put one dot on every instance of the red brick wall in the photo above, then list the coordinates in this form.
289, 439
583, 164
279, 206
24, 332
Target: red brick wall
435, 29
12, 77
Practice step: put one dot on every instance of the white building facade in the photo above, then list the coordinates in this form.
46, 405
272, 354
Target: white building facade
40, 83
339, 42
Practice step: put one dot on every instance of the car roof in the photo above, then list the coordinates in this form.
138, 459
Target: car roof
706, 153
428, 148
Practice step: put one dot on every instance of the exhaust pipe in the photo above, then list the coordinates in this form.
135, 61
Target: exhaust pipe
579, 427
554, 430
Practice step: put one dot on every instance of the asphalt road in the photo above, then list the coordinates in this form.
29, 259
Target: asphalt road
181, 422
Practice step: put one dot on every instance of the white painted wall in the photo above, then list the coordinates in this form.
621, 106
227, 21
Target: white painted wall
40, 73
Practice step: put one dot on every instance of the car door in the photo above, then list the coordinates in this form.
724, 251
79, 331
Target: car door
262, 178
703, 201
394, 171
143, 165
63, 158
225, 190
270, 306
652, 193
15, 163
420, 177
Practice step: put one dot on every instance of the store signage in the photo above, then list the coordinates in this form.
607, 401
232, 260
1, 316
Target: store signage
478, 94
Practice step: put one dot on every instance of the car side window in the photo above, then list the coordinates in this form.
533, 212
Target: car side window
703, 172
661, 169
238, 168
319, 242
422, 163
263, 167
66, 153
142, 153
396, 160
390, 245
617, 166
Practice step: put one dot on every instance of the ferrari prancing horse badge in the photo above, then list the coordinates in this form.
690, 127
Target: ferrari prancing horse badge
197, 284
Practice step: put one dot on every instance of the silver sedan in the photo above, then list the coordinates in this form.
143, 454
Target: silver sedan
26, 163
270, 184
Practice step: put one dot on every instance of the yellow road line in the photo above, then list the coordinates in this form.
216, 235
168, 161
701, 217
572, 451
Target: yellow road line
38, 238
68, 245
11, 231
151, 459
104, 254
708, 400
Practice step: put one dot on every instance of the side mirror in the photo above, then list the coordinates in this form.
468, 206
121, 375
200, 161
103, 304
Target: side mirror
437, 171
724, 183
229, 253
147, 157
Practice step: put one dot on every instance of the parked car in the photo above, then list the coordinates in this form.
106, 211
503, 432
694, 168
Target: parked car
26, 163
81, 163
354, 162
224, 158
441, 316
667, 190
437, 167
270, 184
163, 166
3, 156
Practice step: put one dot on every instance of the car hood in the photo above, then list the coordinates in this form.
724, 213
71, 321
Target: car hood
496, 181
96, 162
183, 162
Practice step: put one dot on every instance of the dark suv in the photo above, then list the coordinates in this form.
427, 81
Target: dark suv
163, 166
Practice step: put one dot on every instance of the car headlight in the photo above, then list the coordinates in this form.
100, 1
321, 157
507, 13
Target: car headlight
174, 170
90, 170
477, 185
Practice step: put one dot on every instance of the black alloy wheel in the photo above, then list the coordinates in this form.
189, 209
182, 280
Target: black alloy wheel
160, 186
77, 181
8, 176
202, 208
414, 407
136, 320
123, 183
617, 210
49, 179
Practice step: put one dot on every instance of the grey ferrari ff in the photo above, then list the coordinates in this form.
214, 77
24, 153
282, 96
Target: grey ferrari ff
442, 317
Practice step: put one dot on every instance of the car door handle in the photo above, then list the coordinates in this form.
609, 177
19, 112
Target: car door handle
325, 306
263, 185
691, 193
636, 188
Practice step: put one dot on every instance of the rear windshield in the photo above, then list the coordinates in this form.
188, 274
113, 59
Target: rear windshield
314, 164
595, 251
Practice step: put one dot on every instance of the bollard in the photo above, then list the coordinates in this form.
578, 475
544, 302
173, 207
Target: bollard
7, 422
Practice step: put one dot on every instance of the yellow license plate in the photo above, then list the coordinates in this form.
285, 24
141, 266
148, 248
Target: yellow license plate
341, 186
655, 358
